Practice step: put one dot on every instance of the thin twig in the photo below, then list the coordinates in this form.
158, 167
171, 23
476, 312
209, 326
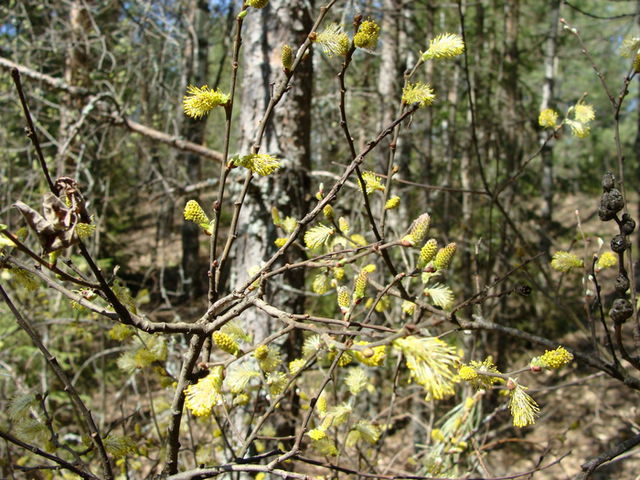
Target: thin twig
31, 130
85, 414
32, 448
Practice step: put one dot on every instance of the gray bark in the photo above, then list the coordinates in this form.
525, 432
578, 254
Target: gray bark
550, 61
287, 137
76, 72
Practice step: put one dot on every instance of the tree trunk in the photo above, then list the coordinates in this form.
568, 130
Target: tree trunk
550, 60
288, 138
76, 73
394, 24
513, 145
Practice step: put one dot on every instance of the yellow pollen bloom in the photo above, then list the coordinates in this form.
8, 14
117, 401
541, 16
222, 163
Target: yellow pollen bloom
260, 163
432, 363
548, 118
606, 260
84, 230
201, 397
370, 356
318, 236
408, 307
333, 40
201, 100
485, 372
372, 182
393, 202
584, 113
565, 261
277, 382
296, 365
553, 359
316, 434
445, 45
524, 409
367, 36
467, 373
225, 343
437, 435
578, 129
420, 93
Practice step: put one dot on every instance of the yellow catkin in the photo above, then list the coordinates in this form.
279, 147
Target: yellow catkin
345, 359
194, 213
286, 56
419, 230
553, 358
338, 273
467, 373
444, 256
344, 299
201, 100
225, 343
360, 284
420, 93
371, 356
328, 212
367, 36
257, 3
393, 202
427, 253
261, 352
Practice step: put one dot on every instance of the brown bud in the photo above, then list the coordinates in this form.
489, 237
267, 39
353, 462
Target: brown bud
621, 310
628, 224
619, 243
622, 284
605, 215
608, 181
612, 200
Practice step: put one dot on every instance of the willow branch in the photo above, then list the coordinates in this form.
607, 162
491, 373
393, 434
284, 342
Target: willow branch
90, 425
33, 449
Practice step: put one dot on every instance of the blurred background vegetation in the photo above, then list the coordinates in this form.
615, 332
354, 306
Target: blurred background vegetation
114, 121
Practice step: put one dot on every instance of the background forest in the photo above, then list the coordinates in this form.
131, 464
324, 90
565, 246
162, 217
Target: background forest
331, 273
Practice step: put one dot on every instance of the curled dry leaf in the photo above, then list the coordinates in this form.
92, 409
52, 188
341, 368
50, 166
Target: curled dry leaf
56, 229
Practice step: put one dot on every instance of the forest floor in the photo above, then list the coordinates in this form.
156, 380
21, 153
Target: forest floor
589, 414
583, 414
